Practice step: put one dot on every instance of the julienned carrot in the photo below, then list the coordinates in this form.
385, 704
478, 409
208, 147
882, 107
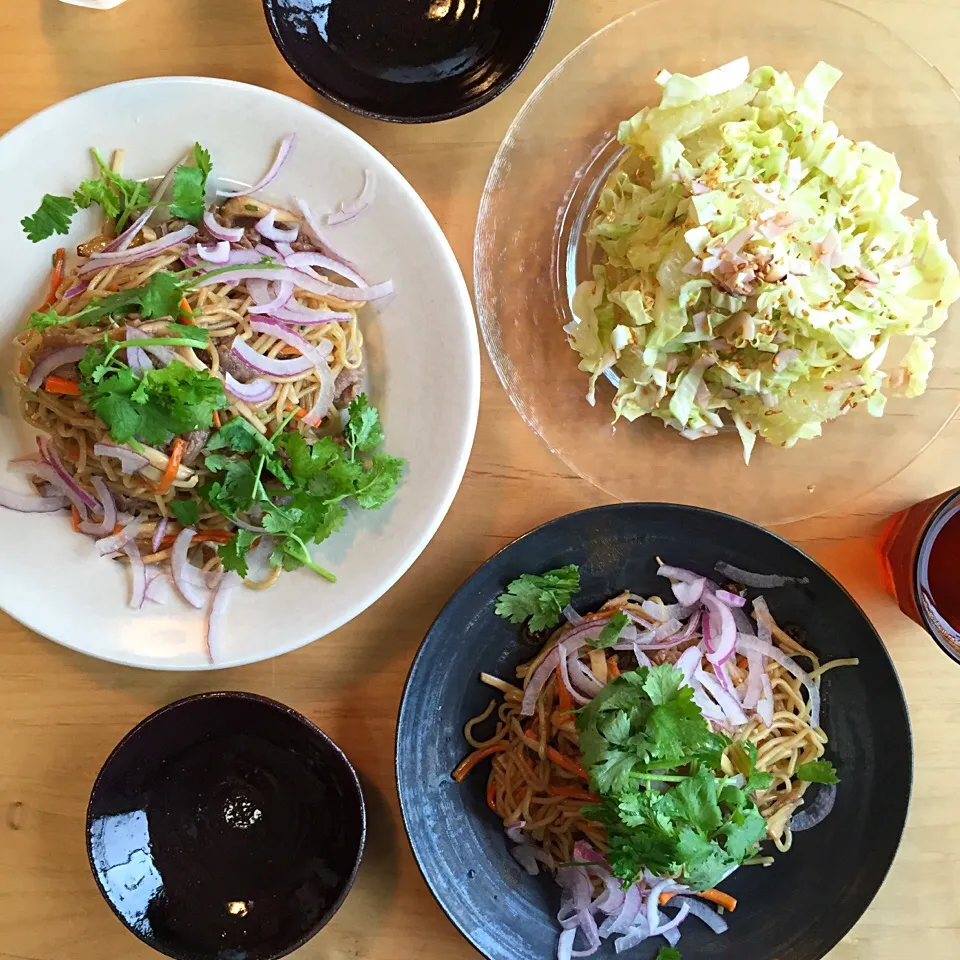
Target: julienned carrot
204, 536
564, 700
186, 314
55, 278
69, 388
714, 896
574, 794
75, 519
567, 763
300, 412
612, 669
492, 794
468, 763
216, 419
173, 465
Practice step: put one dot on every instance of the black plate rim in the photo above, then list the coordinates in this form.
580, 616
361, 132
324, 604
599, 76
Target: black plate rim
468, 106
353, 779
693, 511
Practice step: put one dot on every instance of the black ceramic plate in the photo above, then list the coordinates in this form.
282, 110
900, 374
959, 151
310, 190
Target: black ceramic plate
796, 909
412, 61
225, 825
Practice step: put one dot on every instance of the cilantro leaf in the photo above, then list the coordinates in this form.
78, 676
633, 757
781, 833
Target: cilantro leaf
540, 597
52, 216
161, 296
379, 483
818, 771
362, 431
668, 953
611, 631
187, 512
742, 833
663, 683
190, 186
233, 553
118, 196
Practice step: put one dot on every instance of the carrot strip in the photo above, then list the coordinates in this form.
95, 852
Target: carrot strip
216, 419
492, 794
75, 519
574, 794
186, 314
299, 415
468, 763
173, 465
69, 388
714, 896
55, 278
612, 669
567, 763
204, 536
565, 701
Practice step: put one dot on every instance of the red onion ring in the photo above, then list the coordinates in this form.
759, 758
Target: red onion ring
118, 541
700, 910
218, 231
348, 211
255, 392
100, 261
723, 630
137, 358
270, 365
325, 396
259, 290
215, 253
48, 363
306, 282
158, 533
283, 154
130, 461
30, 503
266, 226
109, 506
296, 313
218, 613
775, 653
179, 564
316, 353
309, 259
158, 588
729, 705
818, 811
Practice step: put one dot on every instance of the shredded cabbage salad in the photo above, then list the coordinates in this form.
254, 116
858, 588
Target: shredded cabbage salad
753, 266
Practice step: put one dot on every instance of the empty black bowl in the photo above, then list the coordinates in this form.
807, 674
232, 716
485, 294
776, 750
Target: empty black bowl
225, 825
412, 61
797, 909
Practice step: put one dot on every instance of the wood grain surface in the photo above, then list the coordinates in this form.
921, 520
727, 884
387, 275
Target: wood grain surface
61, 713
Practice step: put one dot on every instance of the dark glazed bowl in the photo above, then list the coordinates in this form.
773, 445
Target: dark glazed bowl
225, 825
410, 61
796, 909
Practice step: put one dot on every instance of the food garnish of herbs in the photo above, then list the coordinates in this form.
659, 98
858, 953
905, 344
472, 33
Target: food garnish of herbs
195, 380
754, 267
638, 760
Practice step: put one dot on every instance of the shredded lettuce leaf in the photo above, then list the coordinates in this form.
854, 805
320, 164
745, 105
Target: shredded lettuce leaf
753, 266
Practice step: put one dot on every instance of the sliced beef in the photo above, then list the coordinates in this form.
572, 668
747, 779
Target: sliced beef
233, 365
196, 440
347, 386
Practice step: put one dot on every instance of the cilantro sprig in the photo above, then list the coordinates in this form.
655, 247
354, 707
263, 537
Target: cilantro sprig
539, 597
121, 198
652, 757
818, 771
297, 491
611, 631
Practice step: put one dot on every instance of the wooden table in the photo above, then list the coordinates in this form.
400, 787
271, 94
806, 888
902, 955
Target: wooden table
61, 713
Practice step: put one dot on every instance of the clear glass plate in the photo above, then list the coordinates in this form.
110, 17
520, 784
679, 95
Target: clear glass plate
528, 254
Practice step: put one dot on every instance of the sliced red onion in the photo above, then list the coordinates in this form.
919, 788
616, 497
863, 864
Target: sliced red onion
818, 811
284, 249
214, 253
304, 281
267, 227
775, 653
565, 944
514, 831
138, 588
525, 855
118, 541
689, 592
627, 916
109, 509
179, 563
574, 640
30, 503
325, 397
653, 903
76, 290
318, 235
255, 392
726, 681
662, 613
723, 629
130, 461
635, 935
679, 573
672, 936
310, 259
57, 357
730, 599
56, 475
296, 312
705, 913
584, 679
158, 533
610, 902
137, 358
571, 615
765, 704
284, 293
732, 710
267, 251
760, 581
216, 624
353, 209
270, 365
283, 154
708, 708
574, 691
674, 923
100, 261
158, 588
688, 663
754, 688
642, 659
219, 231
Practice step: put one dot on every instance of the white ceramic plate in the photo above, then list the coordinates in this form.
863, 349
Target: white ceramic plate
422, 350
